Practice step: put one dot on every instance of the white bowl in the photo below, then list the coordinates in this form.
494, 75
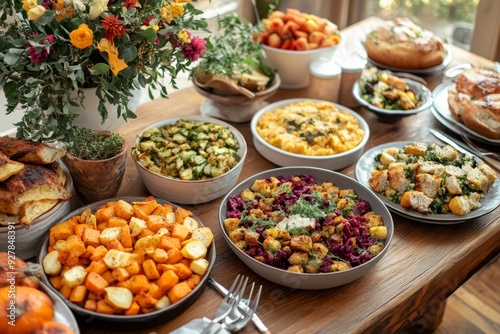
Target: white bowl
196, 191
419, 89
28, 237
283, 158
293, 65
310, 281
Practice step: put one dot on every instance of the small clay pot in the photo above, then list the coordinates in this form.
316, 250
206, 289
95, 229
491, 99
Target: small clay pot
96, 180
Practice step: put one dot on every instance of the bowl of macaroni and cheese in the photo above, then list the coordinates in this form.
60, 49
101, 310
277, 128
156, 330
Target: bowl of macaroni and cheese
309, 132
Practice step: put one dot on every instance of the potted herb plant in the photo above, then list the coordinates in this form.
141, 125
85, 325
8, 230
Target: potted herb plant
96, 161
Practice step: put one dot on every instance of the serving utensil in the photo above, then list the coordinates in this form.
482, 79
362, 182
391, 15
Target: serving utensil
456, 144
478, 149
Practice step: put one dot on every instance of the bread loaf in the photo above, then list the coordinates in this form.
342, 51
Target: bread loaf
8, 167
29, 151
403, 44
475, 101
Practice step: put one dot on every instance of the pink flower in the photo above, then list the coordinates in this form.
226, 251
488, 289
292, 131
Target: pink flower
195, 49
47, 4
39, 55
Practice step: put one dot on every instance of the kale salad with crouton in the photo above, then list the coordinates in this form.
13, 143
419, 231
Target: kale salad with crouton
431, 178
299, 225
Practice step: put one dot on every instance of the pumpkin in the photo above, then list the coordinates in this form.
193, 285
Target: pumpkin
25, 307
53, 327
24, 274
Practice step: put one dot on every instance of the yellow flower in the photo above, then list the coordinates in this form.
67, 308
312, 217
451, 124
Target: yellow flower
116, 63
82, 37
28, 4
170, 11
183, 36
96, 8
36, 12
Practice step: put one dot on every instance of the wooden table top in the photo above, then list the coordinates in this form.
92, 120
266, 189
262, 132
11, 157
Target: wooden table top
424, 265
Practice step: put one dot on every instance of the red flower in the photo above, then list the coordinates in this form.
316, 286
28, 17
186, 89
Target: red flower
113, 27
131, 4
195, 49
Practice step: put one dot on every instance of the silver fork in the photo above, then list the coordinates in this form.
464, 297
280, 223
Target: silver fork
227, 312
481, 150
247, 312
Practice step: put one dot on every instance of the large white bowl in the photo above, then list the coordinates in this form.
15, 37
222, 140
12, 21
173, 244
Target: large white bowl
283, 158
308, 281
293, 65
196, 191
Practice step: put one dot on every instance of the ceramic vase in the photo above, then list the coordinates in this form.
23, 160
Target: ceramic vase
96, 180
90, 117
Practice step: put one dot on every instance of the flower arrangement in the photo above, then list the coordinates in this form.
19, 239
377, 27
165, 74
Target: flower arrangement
51, 49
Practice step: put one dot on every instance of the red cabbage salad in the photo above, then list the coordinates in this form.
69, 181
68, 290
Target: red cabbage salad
301, 226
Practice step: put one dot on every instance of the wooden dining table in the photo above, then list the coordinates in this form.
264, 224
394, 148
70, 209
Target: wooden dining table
425, 262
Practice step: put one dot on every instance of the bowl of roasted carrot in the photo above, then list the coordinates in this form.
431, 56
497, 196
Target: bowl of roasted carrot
128, 260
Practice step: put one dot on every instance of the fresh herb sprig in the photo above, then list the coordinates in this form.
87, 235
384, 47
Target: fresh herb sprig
233, 51
95, 145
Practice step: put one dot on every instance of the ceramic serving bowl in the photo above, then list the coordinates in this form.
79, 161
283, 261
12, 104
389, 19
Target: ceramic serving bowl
28, 237
284, 158
419, 89
234, 107
191, 191
293, 65
127, 322
310, 281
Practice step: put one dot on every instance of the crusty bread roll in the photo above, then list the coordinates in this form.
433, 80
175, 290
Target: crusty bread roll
403, 44
8, 167
475, 101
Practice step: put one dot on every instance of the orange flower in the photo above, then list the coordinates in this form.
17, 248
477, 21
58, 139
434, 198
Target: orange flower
116, 63
81, 37
61, 12
113, 27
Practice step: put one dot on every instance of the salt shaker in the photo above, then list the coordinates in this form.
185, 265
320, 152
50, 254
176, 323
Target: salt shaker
352, 66
324, 83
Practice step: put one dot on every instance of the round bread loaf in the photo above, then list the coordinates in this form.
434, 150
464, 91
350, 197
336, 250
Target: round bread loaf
475, 101
403, 44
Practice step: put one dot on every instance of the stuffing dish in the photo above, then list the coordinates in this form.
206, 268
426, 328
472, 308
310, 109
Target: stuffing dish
298, 225
431, 178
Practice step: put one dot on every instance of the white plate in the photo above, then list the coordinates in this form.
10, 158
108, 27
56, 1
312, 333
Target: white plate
440, 97
363, 173
419, 89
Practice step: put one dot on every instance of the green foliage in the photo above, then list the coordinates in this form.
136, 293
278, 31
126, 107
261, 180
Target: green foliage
94, 145
152, 48
233, 51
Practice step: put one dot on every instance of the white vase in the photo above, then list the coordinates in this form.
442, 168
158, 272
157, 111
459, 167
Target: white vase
90, 117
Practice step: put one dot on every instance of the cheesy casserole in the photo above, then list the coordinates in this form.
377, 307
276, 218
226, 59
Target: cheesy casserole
310, 128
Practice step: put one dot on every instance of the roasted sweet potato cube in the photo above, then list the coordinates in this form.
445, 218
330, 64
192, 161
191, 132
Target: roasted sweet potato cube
104, 307
136, 284
116, 222
75, 245
78, 294
62, 230
180, 232
150, 270
181, 214
155, 291
96, 283
167, 243
182, 270
78, 229
91, 237
108, 276
174, 256
178, 291
103, 215
99, 252
193, 281
56, 281
98, 267
121, 274
145, 300
134, 268
124, 209
90, 305
125, 237
167, 280
133, 309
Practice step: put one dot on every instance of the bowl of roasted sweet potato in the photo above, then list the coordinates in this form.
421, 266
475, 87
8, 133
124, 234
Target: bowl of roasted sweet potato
127, 260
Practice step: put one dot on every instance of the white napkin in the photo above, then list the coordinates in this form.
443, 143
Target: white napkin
197, 326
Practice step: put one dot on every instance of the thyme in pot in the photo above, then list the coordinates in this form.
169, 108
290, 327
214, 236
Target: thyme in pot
95, 145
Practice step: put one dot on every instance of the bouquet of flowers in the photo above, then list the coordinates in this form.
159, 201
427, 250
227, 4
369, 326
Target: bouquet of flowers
51, 49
